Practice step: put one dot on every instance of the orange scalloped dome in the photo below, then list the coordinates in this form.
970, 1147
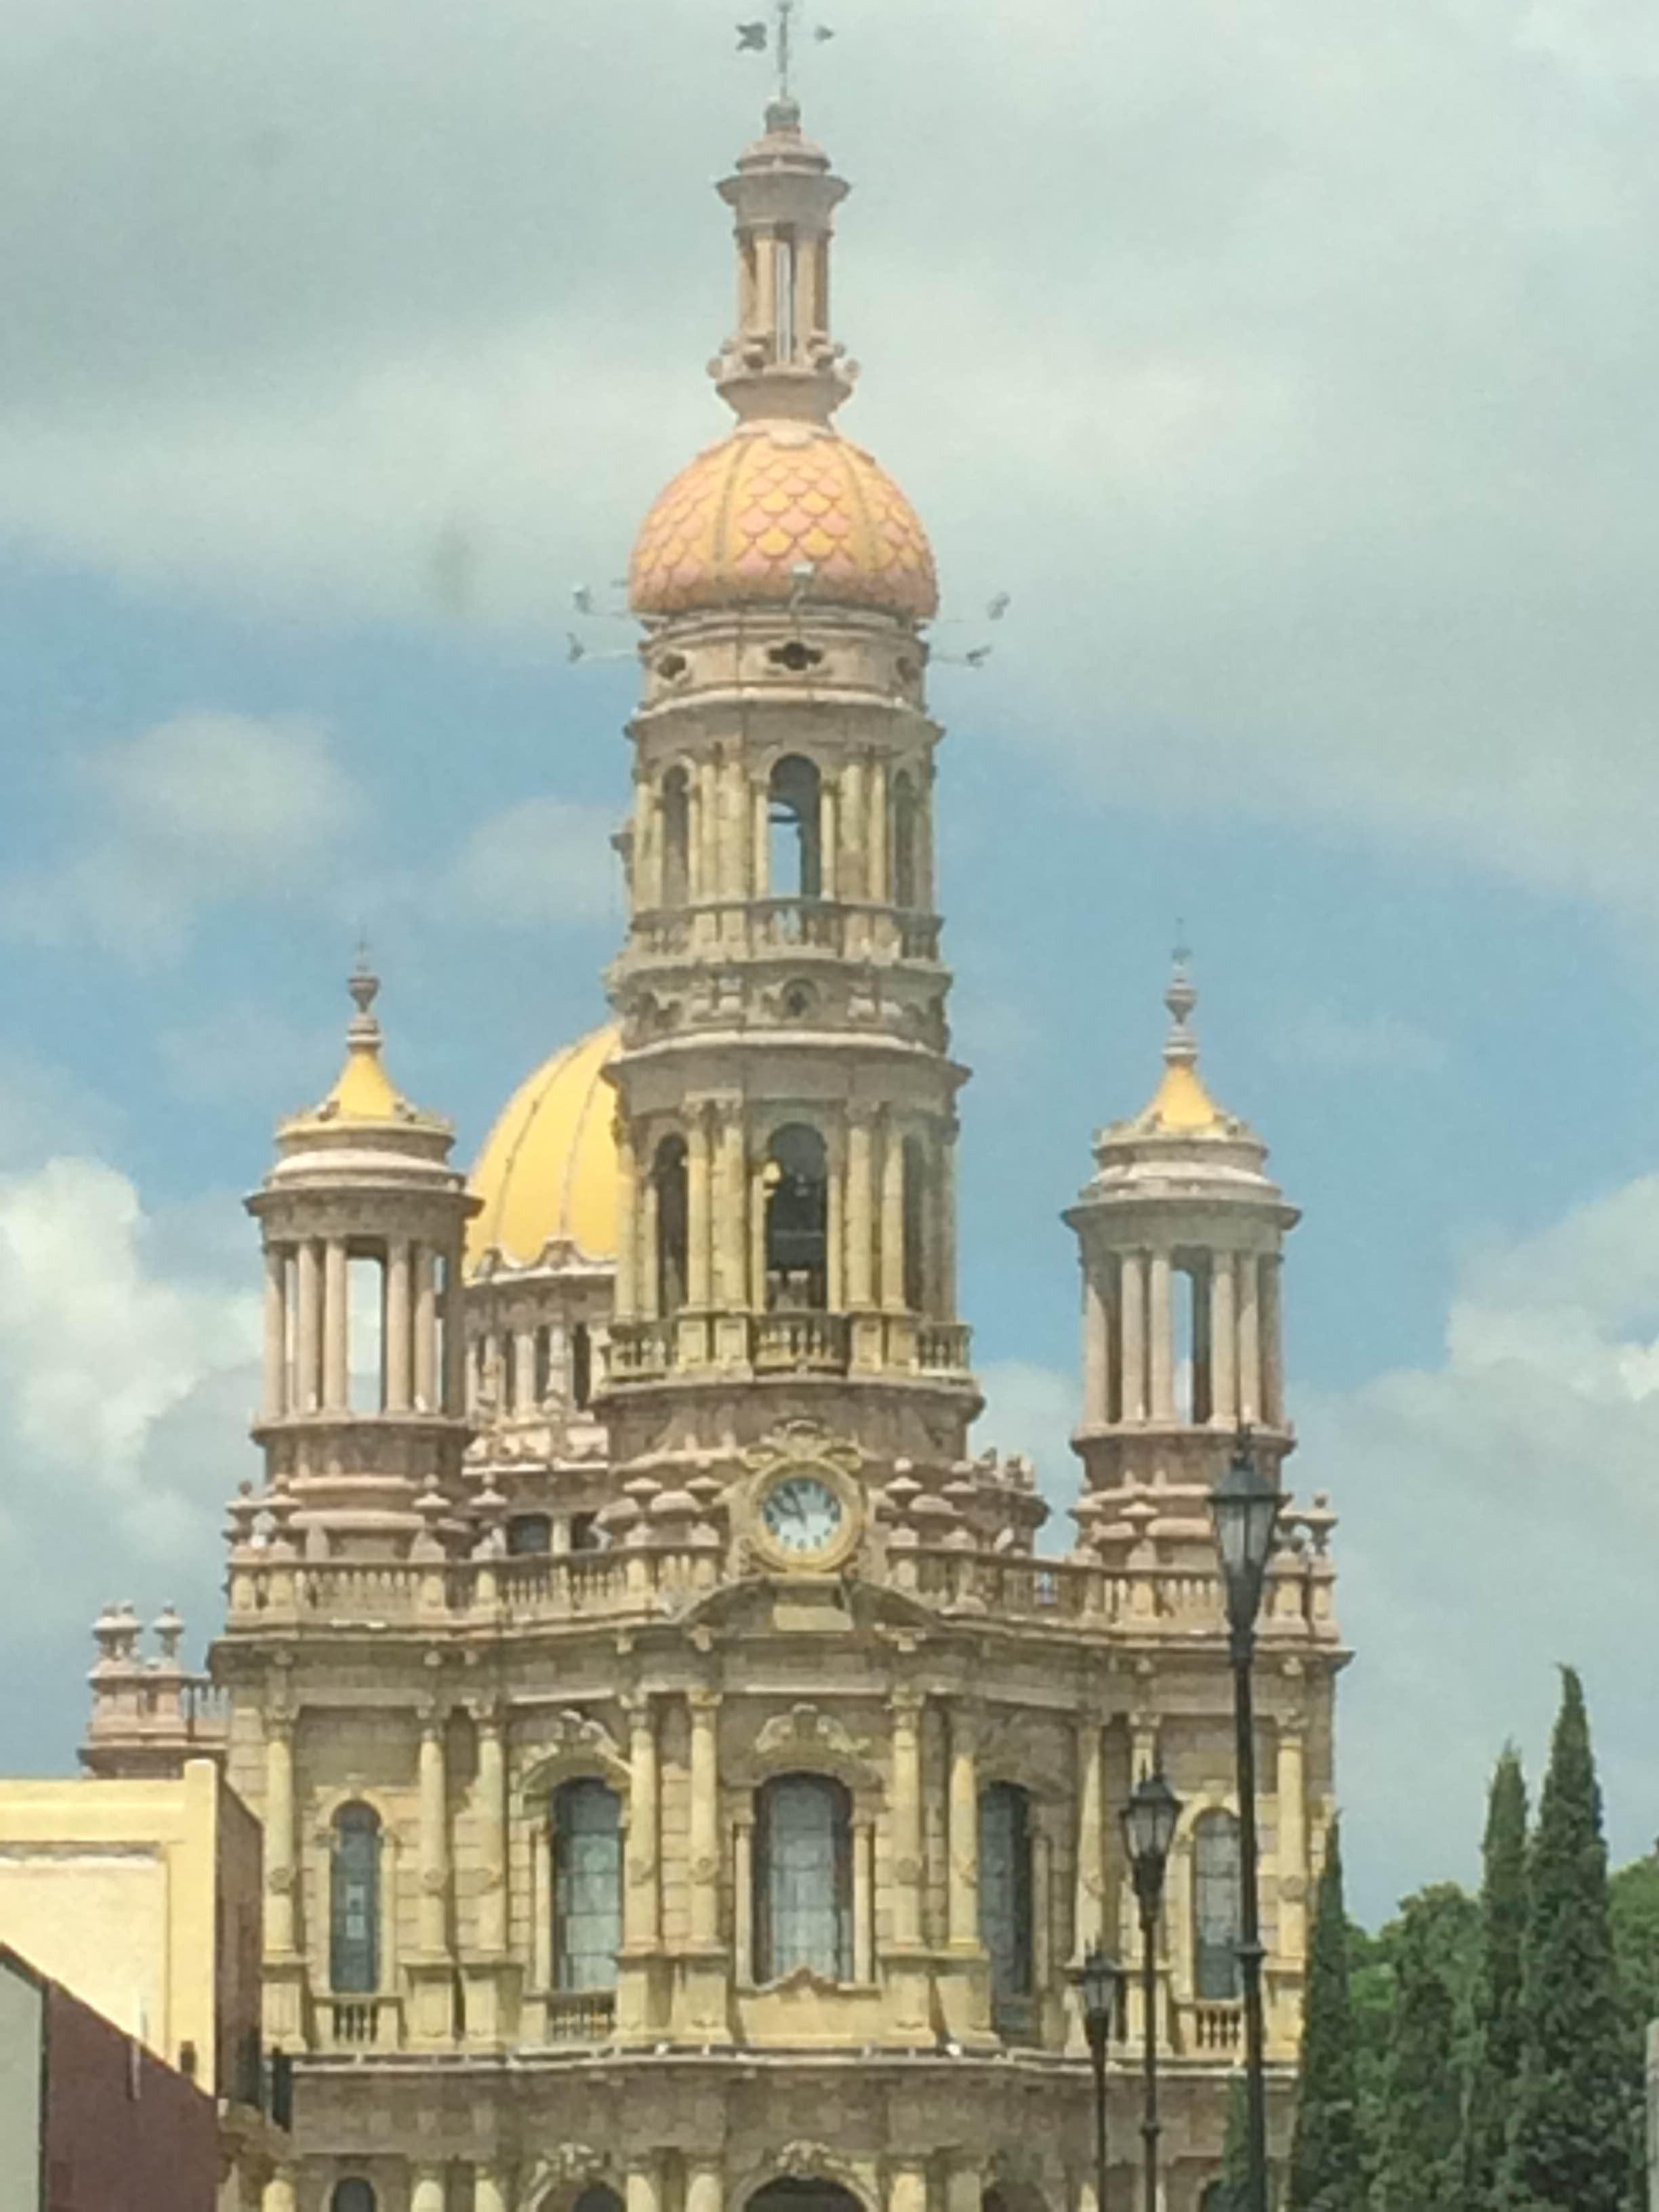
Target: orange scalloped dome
731, 527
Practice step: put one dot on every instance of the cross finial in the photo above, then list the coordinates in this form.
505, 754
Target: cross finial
756, 38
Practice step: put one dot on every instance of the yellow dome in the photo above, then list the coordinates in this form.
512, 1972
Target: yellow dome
549, 1167
734, 526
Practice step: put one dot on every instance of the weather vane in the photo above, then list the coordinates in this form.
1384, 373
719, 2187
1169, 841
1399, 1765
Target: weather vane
757, 37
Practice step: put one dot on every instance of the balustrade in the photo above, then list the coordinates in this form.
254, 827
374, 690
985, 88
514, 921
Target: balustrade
792, 924
360, 2023
579, 2015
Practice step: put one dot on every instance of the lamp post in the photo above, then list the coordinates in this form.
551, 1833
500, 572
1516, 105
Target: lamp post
1096, 1983
1245, 1506
1148, 1825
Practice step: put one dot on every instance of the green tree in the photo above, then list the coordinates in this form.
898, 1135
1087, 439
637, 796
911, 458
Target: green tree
1236, 2148
1419, 2161
1496, 2057
1328, 2167
1573, 2131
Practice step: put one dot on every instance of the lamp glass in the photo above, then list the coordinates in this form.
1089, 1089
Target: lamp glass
1149, 1820
1244, 1507
1097, 1984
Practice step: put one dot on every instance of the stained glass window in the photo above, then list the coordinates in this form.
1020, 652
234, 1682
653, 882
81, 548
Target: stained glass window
803, 1879
355, 1903
1004, 1889
1217, 1896
586, 1885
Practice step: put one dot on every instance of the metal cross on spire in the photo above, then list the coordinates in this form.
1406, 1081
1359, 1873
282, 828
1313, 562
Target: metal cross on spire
777, 36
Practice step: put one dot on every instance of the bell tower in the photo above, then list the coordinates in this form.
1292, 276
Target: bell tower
785, 1093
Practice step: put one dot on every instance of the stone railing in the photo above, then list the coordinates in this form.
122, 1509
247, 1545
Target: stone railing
367, 2023
579, 2016
835, 927
791, 1340
1209, 2028
643, 1580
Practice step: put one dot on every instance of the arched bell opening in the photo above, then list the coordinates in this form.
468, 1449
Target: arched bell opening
804, 2193
669, 1178
676, 837
796, 855
797, 1181
906, 842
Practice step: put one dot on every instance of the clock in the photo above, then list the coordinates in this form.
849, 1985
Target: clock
802, 1515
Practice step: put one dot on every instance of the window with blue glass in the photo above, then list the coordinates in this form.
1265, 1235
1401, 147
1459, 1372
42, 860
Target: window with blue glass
586, 1885
1218, 1900
1005, 1892
354, 1902
803, 1878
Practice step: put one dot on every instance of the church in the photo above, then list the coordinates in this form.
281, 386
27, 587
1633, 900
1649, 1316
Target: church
688, 1773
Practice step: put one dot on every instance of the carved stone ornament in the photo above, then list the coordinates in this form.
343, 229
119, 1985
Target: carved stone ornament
792, 1443
802, 2160
806, 1736
568, 2165
573, 1740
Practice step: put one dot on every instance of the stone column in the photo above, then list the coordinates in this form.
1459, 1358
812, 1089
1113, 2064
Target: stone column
307, 1326
491, 1832
647, 1279
489, 2190
524, 1371
829, 877
426, 1330
1249, 1339
961, 1887
626, 1305
759, 841
1096, 1322
1224, 1342
947, 1225
964, 2183
1272, 1355
1133, 1277
336, 1345
1042, 1911
853, 872
892, 1215
705, 2185
276, 1365
427, 2192
541, 1901
279, 1837
860, 1206
1088, 1917
1161, 1328
644, 2191
399, 1328
698, 1213
906, 1708
907, 2186
733, 1291
703, 1835
757, 1218
641, 1909
743, 1898
454, 1333
835, 1241
864, 1901
881, 889
433, 1854
1293, 1839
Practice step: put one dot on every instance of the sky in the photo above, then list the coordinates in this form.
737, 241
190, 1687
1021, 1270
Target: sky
1289, 365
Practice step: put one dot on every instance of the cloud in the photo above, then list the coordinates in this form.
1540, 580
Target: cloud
126, 1386
543, 861
195, 811
1033, 1409
1315, 459
1499, 1514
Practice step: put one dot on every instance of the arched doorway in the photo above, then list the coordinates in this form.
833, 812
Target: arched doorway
804, 2193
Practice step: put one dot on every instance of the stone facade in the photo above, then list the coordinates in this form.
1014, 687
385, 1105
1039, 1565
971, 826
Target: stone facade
682, 1777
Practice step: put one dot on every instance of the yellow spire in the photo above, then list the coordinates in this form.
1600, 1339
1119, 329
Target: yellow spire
363, 1091
1181, 1103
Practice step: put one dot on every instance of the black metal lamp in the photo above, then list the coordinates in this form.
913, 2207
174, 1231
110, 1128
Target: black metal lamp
1095, 1982
1244, 1507
1149, 1820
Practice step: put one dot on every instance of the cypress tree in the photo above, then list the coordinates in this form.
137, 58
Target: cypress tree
1570, 2134
1327, 2155
1497, 1988
1236, 2148
1420, 2155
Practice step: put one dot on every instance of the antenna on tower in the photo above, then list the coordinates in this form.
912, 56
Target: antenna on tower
777, 38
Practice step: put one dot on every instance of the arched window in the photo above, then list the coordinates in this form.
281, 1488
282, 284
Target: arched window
797, 1219
676, 837
582, 1366
907, 842
1217, 1896
668, 1173
586, 1885
353, 1949
803, 1878
352, 2195
797, 855
915, 1225
596, 2197
1004, 1899
529, 1533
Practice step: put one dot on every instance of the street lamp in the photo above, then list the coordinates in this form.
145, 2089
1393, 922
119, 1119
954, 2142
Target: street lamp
1148, 1825
1245, 1506
1096, 1983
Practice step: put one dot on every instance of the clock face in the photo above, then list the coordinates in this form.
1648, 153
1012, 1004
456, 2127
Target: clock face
802, 1514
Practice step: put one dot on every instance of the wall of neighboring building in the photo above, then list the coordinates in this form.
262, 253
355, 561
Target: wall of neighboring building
23, 2030
239, 1944
121, 2128
142, 1896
